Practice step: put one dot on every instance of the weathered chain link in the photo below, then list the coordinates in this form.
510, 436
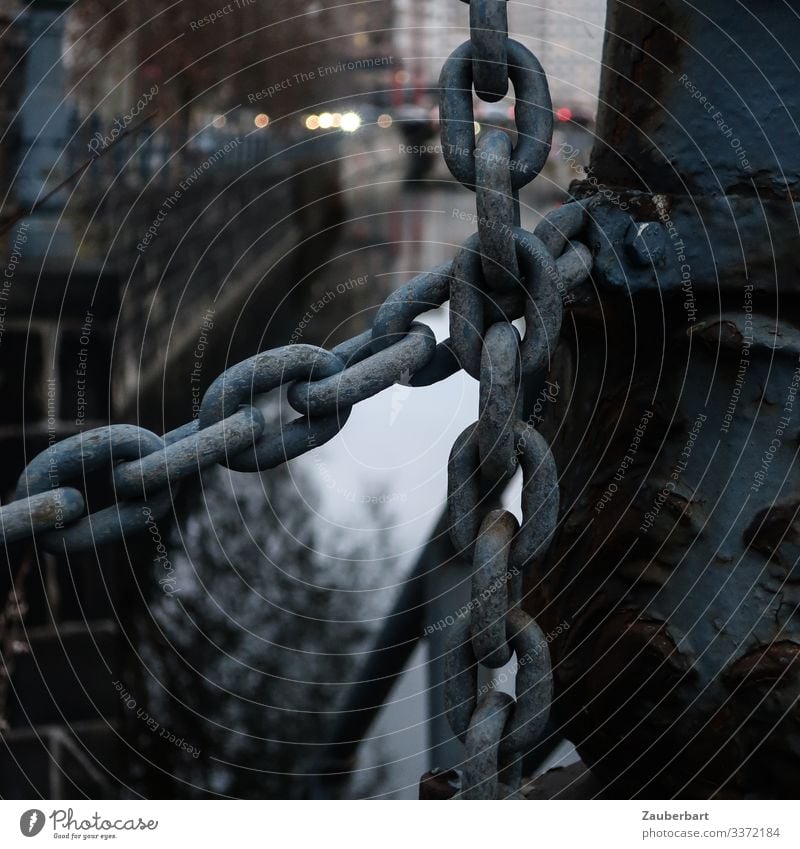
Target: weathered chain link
488, 24
533, 115
529, 712
500, 400
493, 589
497, 211
501, 273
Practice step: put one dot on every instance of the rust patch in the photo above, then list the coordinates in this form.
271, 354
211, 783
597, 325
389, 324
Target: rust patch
438, 785
646, 572
774, 526
765, 664
724, 333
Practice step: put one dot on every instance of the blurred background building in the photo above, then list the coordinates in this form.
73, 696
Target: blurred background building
567, 37
425, 33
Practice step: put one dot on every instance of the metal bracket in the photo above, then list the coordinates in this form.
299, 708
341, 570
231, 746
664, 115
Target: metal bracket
693, 245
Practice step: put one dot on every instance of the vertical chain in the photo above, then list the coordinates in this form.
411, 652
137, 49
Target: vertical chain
502, 265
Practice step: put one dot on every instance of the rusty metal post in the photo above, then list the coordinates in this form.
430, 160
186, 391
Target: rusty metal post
676, 560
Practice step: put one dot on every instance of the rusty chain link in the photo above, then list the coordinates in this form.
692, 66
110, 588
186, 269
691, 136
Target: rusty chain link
501, 273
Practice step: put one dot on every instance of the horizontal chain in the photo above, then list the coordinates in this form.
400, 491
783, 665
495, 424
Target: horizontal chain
190, 455
229, 430
409, 353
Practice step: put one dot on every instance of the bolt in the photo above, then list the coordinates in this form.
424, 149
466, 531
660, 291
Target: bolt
646, 243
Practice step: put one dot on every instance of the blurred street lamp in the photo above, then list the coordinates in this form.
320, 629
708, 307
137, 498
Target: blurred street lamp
350, 122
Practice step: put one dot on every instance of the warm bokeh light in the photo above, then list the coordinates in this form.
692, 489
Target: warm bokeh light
312, 122
325, 121
402, 77
564, 113
261, 121
477, 128
384, 121
350, 122
337, 119
220, 121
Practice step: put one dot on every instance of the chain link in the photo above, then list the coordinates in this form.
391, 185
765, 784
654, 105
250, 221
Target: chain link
491, 581
533, 115
497, 210
465, 701
407, 355
190, 455
488, 26
500, 400
500, 274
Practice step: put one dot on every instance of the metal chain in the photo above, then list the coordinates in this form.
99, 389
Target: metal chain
501, 273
